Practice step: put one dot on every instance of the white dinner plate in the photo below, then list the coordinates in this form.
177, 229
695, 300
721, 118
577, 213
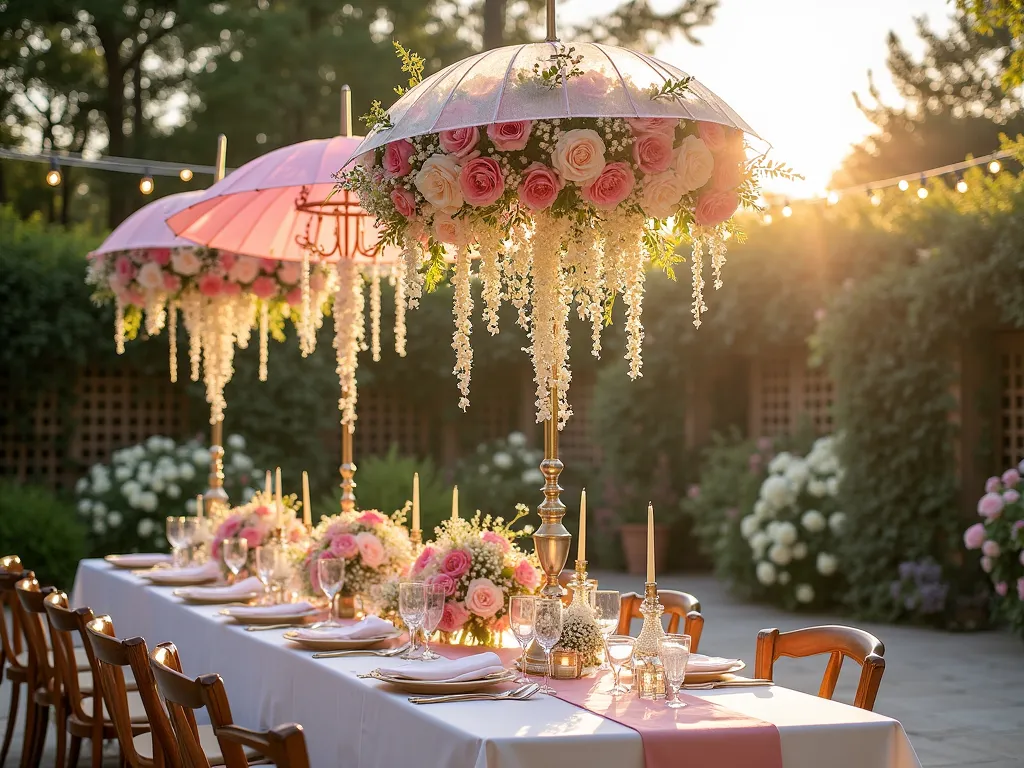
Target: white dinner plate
714, 676
138, 560
196, 597
167, 577
338, 643
275, 618
441, 686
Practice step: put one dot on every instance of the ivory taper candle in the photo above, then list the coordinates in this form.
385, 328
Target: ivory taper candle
279, 503
199, 506
307, 511
267, 487
581, 553
455, 503
650, 543
415, 501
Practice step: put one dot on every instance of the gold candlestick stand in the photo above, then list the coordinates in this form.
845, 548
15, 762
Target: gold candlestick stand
347, 469
648, 673
416, 537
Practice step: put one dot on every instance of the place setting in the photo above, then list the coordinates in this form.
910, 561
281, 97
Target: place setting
139, 560
243, 591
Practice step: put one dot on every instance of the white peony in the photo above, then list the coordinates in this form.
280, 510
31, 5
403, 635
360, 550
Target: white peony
145, 528
784, 578
148, 501
778, 464
517, 440
502, 460
785, 534
99, 526
122, 473
114, 519
99, 508
82, 485
130, 488
157, 484
694, 163
836, 522
200, 457
833, 486
759, 543
438, 181
185, 261
780, 554
532, 475
826, 564
186, 471
799, 551
173, 491
813, 521
241, 462
84, 506
101, 484
817, 488
765, 573
777, 492
804, 593
237, 442
762, 510
748, 525
798, 472
155, 443
169, 472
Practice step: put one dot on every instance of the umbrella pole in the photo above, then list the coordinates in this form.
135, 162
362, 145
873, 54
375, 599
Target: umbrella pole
552, 35
347, 469
216, 497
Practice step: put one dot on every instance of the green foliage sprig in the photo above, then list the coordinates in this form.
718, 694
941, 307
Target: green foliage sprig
673, 89
564, 66
377, 119
412, 64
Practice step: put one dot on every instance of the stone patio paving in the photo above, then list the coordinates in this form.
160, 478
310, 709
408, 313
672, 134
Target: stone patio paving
957, 712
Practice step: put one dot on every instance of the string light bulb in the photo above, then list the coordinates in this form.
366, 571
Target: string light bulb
53, 176
874, 197
961, 185
995, 166
832, 198
185, 174
146, 184
767, 219
922, 190
904, 185
787, 210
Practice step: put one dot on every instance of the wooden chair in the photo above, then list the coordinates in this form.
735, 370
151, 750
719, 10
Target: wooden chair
284, 746
679, 607
80, 711
838, 641
183, 696
13, 653
40, 672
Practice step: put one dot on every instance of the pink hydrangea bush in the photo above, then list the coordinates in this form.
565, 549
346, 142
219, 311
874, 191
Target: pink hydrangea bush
257, 522
375, 547
999, 537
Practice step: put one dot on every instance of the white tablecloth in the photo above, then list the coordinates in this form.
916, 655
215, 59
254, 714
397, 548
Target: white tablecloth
358, 724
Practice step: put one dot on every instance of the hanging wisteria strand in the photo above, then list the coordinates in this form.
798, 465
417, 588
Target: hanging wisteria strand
516, 268
412, 257
489, 248
697, 274
172, 339
463, 325
398, 281
718, 249
348, 327
307, 333
119, 326
375, 316
154, 312
264, 339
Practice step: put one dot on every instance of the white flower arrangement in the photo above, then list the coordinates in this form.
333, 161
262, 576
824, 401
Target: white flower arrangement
794, 527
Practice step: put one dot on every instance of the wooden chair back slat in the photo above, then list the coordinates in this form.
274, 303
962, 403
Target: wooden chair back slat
284, 746
680, 607
12, 641
839, 643
65, 624
215, 697
30, 597
182, 696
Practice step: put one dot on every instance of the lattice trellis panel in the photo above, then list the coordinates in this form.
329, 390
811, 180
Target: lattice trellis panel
1011, 404
386, 419
785, 393
576, 443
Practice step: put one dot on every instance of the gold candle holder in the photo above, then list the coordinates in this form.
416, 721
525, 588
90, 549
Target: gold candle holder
347, 469
416, 537
648, 673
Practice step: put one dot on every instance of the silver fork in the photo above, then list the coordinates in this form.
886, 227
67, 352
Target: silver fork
360, 652
752, 683
522, 693
263, 627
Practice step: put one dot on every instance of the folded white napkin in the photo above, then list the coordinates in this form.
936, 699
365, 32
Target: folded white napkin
370, 627
261, 611
698, 662
209, 570
245, 587
448, 670
141, 559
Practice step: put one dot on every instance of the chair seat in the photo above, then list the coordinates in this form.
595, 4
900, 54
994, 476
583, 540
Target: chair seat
81, 659
136, 709
86, 687
207, 740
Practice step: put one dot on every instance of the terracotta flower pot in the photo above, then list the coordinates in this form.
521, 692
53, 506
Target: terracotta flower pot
634, 547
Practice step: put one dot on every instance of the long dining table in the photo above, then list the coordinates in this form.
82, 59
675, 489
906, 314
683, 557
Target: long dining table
351, 722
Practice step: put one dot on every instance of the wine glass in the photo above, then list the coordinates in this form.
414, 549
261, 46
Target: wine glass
674, 651
606, 604
189, 531
235, 553
432, 617
266, 565
412, 606
331, 573
522, 614
620, 650
174, 538
547, 631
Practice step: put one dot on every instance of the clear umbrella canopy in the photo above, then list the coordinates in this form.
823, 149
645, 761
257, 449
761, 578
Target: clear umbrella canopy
507, 84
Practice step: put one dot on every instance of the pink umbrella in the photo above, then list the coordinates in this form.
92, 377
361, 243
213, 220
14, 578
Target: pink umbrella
147, 227
281, 206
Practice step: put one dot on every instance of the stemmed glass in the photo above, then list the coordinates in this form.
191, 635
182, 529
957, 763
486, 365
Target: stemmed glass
547, 631
174, 538
189, 531
606, 605
235, 553
522, 615
266, 566
674, 651
432, 617
620, 650
331, 573
412, 606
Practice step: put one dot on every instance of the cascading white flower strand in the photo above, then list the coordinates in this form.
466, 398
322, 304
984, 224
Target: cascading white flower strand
398, 281
463, 325
190, 307
154, 311
375, 316
119, 325
718, 250
697, 274
490, 275
307, 333
264, 340
348, 322
413, 256
549, 333
516, 267
172, 339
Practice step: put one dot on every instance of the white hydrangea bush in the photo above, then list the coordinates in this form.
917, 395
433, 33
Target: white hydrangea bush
499, 474
125, 502
795, 526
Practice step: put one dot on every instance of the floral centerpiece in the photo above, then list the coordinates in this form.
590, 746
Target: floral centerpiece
1000, 538
795, 526
258, 522
580, 632
480, 566
376, 548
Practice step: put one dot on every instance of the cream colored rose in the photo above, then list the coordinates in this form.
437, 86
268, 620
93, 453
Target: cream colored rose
661, 194
438, 182
151, 277
579, 155
185, 262
694, 163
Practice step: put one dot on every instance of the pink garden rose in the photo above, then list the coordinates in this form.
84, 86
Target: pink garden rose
449, 229
317, 281
1010, 478
611, 186
1020, 588
727, 175
974, 536
263, 287
591, 84
215, 547
423, 559
445, 581
494, 538
484, 598
229, 527
1011, 496
510, 136
262, 511
1002, 588
371, 549
211, 285
990, 505
231, 289
294, 296
579, 155
397, 158
992, 485
289, 272
314, 570
526, 575
124, 268
404, 201
454, 617
336, 529
344, 545
715, 207
991, 549
459, 141
987, 564
713, 135
172, 283
652, 152
641, 126
268, 265
244, 270
456, 563
252, 535
539, 187
482, 181
227, 260
370, 518
161, 256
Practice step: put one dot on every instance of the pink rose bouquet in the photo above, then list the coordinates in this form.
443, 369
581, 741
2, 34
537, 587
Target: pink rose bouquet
479, 565
376, 548
258, 522
999, 537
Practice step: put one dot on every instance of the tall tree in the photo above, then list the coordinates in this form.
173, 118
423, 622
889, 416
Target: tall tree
990, 15
954, 105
